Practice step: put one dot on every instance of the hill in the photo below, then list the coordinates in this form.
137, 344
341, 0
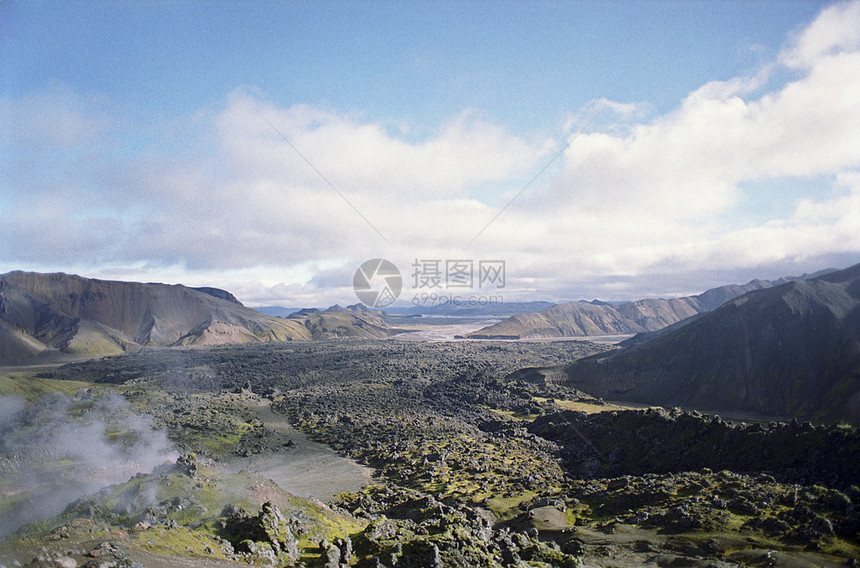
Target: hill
356, 321
789, 350
582, 319
49, 316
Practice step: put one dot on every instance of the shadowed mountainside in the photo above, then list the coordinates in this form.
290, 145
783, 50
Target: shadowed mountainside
790, 350
578, 319
46, 315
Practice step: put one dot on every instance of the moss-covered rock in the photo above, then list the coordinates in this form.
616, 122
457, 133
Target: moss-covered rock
253, 534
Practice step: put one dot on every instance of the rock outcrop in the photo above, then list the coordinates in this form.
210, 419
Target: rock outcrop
656, 441
265, 535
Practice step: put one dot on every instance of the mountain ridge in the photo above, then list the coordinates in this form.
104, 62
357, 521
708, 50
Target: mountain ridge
45, 315
597, 318
791, 350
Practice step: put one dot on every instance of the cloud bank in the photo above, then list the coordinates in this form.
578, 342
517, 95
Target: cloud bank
756, 175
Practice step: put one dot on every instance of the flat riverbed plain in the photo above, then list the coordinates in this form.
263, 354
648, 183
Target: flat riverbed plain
307, 468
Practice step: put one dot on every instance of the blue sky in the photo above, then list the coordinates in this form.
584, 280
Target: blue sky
526, 63
143, 140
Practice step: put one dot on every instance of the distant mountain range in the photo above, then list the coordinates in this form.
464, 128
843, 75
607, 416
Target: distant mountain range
277, 311
787, 350
449, 309
596, 318
45, 316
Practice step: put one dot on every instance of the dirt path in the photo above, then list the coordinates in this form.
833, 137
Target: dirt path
306, 469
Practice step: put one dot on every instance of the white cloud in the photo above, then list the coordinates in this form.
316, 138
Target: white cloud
233, 200
251, 199
655, 198
625, 111
834, 31
362, 157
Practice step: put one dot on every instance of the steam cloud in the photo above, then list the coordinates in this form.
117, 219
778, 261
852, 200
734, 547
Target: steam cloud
61, 448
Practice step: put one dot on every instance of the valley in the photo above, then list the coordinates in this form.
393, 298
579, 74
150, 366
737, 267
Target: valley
457, 284
727, 438
432, 454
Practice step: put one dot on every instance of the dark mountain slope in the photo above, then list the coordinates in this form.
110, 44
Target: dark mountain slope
790, 350
576, 319
219, 293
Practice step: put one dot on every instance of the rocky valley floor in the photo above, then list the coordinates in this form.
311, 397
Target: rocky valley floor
438, 458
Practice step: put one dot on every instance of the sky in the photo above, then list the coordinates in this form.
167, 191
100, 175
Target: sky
612, 150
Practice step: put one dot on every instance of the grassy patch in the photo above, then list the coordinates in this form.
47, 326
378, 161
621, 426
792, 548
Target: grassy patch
179, 541
30, 388
506, 508
574, 513
587, 407
93, 345
516, 416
